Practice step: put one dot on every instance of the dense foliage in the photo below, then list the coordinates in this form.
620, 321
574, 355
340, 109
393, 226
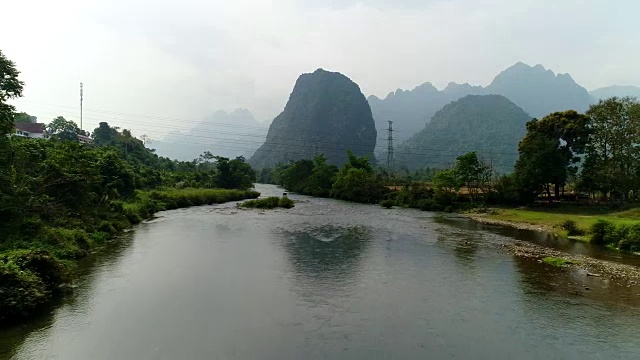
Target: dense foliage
549, 152
355, 181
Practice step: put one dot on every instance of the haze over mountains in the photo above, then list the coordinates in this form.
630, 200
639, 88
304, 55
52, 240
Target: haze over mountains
616, 90
492, 125
223, 134
326, 113
536, 90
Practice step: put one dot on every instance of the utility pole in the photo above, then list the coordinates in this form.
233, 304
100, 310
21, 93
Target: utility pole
316, 148
390, 163
81, 98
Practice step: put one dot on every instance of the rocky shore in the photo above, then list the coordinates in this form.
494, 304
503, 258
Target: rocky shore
620, 273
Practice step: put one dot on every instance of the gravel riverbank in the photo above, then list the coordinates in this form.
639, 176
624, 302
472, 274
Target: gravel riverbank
620, 273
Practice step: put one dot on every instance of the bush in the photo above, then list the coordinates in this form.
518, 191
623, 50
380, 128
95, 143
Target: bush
50, 271
387, 204
269, 203
602, 232
22, 292
572, 228
631, 241
286, 203
429, 205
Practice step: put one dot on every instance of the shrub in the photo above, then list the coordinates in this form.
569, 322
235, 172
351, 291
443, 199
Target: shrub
22, 292
429, 205
387, 204
602, 232
50, 271
631, 242
286, 203
572, 228
269, 203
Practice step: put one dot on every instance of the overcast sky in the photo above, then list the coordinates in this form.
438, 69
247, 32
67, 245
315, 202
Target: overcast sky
185, 59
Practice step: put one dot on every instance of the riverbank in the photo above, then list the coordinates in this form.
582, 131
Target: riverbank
551, 222
552, 219
39, 264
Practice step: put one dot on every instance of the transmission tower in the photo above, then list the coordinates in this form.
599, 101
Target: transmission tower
390, 163
81, 98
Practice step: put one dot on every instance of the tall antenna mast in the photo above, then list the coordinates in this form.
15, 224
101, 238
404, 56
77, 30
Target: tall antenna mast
390, 164
81, 98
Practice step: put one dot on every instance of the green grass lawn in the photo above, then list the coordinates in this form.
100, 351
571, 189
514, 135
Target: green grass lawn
554, 217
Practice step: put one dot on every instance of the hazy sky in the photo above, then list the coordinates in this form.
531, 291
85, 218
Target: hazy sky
185, 59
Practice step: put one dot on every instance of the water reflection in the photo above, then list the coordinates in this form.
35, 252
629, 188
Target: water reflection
464, 244
544, 239
12, 339
567, 283
325, 259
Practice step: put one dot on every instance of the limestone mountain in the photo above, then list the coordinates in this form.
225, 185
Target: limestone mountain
492, 125
539, 91
412, 109
223, 134
616, 90
533, 88
326, 113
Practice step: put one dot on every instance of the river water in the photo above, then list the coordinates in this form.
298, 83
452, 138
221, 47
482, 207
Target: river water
326, 280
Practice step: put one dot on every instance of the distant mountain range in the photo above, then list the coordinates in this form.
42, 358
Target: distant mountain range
536, 90
616, 90
223, 134
491, 125
326, 114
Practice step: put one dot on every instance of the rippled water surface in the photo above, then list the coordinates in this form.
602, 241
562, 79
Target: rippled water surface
327, 280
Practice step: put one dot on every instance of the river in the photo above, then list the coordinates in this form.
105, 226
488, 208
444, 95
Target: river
326, 280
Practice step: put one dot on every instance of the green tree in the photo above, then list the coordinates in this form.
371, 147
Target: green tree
234, 174
10, 88
471, 173
104, 135
613, 156
294, 176
549, 152
63, 129
446, 181
322, 177
23, 117
357, 181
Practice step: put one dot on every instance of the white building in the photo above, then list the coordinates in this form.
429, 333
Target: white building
31, 130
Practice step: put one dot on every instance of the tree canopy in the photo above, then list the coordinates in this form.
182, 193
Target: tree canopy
549, 151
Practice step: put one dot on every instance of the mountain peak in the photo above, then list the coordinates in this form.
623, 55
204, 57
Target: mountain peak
326, 113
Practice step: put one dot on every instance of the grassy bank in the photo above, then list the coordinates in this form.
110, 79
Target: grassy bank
554, 218
36, 264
